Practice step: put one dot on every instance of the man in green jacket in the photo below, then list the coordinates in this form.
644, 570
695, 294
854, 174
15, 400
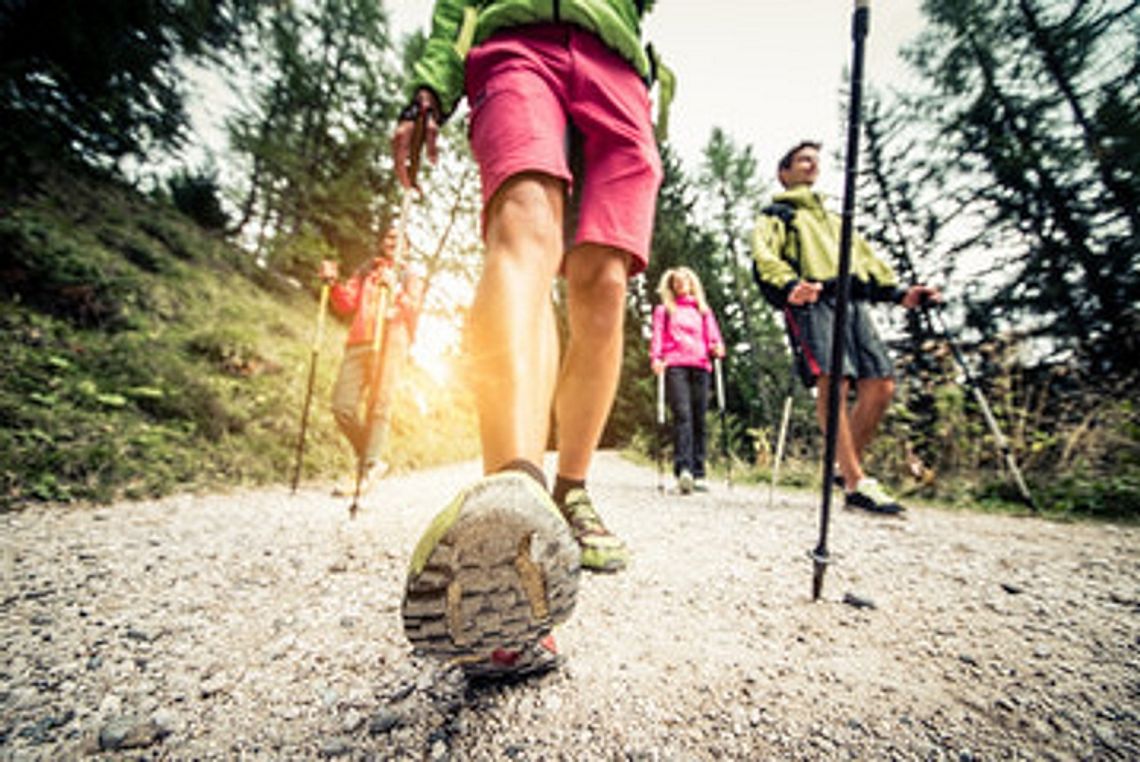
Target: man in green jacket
559, 109
796, 250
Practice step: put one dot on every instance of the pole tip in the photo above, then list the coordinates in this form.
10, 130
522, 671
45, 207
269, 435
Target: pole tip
817, 581
820, 558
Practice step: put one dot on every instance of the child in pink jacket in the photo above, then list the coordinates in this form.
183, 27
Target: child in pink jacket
685, 334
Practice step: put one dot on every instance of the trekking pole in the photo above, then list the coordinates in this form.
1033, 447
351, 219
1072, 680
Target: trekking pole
860, 21
723, 427
781, 439
660, 428
789, 400
316, 350
975, 387
379, 324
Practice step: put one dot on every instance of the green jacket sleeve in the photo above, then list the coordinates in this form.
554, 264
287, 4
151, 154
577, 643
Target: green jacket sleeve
440, 69
774, 274
882, 284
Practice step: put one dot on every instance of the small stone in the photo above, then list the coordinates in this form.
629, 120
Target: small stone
859, 602
129, 733
334, 747
143, 636
166, 720
383, 722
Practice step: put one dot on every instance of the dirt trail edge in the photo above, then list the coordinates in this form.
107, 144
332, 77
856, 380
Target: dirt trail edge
262, 625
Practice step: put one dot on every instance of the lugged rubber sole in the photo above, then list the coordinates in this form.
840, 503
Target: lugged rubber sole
497, 569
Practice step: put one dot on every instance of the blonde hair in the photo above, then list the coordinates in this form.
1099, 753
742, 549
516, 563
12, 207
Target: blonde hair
669, 295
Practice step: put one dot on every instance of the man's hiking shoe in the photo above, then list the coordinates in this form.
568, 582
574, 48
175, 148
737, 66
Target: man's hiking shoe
503, 664
493, 573
685, 482
601, 550
870, 496
700, 484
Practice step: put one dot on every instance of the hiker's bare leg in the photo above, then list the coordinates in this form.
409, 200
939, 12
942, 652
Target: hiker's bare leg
845, 453
872, 398
596, 279
513, 335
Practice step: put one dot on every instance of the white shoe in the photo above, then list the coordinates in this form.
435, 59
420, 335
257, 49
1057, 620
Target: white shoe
685, 482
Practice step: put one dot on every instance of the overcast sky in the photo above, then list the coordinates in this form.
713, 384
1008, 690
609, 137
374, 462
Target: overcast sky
768, 72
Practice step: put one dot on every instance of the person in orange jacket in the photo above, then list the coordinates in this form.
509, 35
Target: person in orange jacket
358, 297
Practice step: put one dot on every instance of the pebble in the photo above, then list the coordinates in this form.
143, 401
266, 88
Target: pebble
270, 628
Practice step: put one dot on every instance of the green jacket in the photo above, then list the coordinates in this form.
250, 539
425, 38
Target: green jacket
808, 249
458, 25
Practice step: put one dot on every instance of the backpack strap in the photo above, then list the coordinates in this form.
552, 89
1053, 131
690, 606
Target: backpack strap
786, 213
790, 253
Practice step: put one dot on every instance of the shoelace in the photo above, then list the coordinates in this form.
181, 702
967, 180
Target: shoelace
872, 489
582, 516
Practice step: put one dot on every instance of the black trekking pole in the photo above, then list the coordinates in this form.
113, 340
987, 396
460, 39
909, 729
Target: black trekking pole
972, 384
316, 350
660, 428
859, 25
723, 425
975, 388
379, 326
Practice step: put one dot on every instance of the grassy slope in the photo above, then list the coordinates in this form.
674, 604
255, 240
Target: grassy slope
143, 357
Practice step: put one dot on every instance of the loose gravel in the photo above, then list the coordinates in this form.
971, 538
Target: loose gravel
264, 625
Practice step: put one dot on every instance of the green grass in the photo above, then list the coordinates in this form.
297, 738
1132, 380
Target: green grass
142, 357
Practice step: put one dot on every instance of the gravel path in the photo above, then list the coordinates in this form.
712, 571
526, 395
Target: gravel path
263, 625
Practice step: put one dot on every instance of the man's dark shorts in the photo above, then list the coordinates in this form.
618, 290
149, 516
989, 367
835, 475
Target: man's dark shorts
809, 328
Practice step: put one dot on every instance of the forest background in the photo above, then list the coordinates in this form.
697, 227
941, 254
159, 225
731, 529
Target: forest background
158, 310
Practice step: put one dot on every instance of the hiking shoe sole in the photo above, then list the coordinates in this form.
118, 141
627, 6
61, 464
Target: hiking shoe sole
861, 502
495, 571
537, 659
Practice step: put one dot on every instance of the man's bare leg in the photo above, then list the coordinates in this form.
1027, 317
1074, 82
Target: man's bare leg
504, 531
872, 398
514, 338
596, 279
855, 431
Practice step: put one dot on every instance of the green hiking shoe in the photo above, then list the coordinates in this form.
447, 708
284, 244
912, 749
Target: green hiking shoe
494, 572
601, 550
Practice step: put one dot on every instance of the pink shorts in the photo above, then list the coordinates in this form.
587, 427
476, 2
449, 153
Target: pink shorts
525, 86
